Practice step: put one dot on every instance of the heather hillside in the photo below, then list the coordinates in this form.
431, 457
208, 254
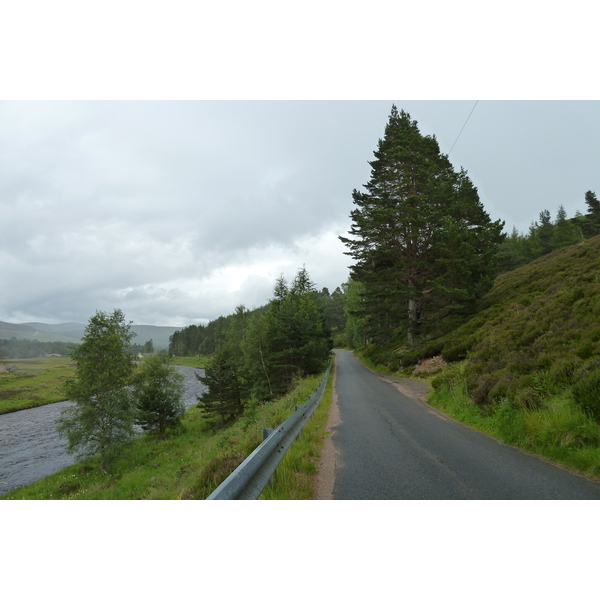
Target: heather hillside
538, 330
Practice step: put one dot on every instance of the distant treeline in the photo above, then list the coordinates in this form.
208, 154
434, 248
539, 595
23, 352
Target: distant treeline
546, 235
256, 355
203, 340
14, 348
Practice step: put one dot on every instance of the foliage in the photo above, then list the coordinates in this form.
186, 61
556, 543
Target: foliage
224, 382
545, 235
102, 416
586, 393
258, 353
296, 340
158, 390
14, 348
424, 248
193, 463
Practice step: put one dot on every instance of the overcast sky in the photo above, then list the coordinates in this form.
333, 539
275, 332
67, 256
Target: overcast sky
176, 212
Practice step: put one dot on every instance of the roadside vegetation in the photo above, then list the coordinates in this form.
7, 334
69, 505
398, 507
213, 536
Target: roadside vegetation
263, 365
190, 462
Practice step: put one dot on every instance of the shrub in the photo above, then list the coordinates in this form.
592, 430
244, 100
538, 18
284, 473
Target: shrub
457, 351
586, 394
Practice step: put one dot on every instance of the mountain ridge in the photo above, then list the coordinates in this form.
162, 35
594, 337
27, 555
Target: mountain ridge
73, 332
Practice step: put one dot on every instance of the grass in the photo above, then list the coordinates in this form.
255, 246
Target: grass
296, 475
191, 463
37, 381
559, 430
198, 362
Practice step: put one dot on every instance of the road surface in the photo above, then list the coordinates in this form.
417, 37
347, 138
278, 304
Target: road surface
392, 446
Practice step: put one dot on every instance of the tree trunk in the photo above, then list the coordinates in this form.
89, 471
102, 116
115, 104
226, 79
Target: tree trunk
412, 321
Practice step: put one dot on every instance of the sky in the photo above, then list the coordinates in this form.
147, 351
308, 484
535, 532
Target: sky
176, 212
174, 163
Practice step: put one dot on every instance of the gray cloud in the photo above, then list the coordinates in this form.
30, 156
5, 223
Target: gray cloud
178, 211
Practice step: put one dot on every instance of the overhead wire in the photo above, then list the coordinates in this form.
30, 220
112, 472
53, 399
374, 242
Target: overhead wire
465, 123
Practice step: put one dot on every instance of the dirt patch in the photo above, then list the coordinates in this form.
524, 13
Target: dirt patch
326, 468
429, 365
4, 394
409, 387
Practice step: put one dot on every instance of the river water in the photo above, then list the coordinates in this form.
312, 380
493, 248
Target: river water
30, 448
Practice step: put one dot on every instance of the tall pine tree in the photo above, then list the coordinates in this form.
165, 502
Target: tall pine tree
424, 248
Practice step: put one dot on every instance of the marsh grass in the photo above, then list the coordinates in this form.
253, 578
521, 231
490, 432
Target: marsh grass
191, 462
37, 381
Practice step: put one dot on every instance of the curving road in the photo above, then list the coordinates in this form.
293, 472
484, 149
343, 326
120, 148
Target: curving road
391, 446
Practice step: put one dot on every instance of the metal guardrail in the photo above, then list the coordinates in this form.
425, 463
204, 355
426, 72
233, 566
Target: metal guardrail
249, 480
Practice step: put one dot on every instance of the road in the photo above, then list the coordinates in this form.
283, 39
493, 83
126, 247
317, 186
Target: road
392, 446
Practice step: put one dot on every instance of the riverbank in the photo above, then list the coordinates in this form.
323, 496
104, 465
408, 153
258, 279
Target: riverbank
191, 463
34, 382
31, 449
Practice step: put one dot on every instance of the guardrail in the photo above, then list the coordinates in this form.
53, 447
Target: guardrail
249, 480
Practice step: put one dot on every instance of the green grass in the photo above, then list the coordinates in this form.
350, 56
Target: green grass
191, 463
199, 362
37, 381
559, 430
296, 475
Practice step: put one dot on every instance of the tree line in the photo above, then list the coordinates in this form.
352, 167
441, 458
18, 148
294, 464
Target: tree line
15, 348
546, 235
257, 354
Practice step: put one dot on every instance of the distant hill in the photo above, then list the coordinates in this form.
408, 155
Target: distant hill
73, 332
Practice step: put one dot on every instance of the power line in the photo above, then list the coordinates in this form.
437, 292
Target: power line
456, 140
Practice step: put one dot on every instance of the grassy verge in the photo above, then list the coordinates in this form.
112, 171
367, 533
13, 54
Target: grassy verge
558, 429
191, 463
36, 381
199, 362
296, 475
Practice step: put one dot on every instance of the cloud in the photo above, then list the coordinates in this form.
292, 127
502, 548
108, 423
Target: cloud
176, 212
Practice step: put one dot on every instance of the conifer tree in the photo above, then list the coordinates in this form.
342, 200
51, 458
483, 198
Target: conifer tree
224, 382
422, 243
159, 390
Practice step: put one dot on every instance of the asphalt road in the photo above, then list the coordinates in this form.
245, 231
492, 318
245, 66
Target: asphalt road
390, 446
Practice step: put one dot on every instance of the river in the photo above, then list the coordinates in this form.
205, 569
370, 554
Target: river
30, 448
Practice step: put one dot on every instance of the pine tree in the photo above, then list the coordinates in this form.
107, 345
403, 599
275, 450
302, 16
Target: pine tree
591, 224
422, 243
224, 382
158, 390
565, 232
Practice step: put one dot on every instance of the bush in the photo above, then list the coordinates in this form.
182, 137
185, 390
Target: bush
457, 351
586, 394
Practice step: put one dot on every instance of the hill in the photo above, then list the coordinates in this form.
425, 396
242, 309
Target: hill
538, 330
73, 332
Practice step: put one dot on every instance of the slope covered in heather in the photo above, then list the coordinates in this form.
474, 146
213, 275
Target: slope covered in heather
538, 331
